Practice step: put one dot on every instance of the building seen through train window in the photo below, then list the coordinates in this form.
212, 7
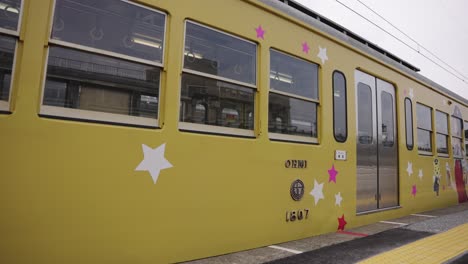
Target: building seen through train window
441, 132
218, 82
104, 62
293, 98
10, 11
340, 123
409, 123
424, 121
456, 129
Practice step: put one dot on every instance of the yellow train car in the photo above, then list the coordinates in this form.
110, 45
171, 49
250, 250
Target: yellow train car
158, 131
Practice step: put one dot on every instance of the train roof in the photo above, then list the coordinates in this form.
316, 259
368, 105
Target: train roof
327, 26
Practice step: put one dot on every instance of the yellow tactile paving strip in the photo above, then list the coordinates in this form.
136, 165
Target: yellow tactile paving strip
434, 249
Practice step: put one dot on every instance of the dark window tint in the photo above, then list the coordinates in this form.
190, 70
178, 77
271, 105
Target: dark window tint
365, 123
340, 125
409, 123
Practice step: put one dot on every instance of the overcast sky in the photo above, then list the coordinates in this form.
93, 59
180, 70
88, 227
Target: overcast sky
437, 25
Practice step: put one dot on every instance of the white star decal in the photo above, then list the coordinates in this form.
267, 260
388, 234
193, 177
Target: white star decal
338, 199
154, 161
317, 192
411, 93
322, 54
420, 175
409, 169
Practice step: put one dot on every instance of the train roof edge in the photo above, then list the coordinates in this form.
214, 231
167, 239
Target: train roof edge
298, 11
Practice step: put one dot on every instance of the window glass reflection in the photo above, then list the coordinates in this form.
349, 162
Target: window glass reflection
339, 107
292, 75
94, 82
424, 121
292, 116
466, 137
441, 122
213, 102
7, 54
387, 120
442, 132
442, 143
111, 25
365, 122
409, 123
212, 52
424, 140
424, 117
9, 14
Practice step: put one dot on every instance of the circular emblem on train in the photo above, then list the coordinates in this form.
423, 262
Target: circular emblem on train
297, 190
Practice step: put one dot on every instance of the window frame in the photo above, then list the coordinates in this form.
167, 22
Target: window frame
442, 154
5, 105
213, 129
287, 137
431, 132
345, 107
96, 116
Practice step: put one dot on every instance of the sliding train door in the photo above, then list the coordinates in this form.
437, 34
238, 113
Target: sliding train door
377, 155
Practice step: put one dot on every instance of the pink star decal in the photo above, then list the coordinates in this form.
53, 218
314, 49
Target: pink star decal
305, 47
414, 191
260, 32
341, 223
332, 174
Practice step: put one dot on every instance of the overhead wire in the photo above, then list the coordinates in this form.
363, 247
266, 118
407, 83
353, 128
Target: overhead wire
406, 44
409, 37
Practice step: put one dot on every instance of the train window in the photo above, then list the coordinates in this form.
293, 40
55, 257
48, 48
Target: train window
10, 15
104, 62
409, 123
9, 31
112, 26
441, 132
466, 137
388, 131
365, 123
424, 121
340, 123
293, 98
220, 74
457, 135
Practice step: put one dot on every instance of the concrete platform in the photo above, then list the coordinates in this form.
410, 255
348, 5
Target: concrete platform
369, 241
